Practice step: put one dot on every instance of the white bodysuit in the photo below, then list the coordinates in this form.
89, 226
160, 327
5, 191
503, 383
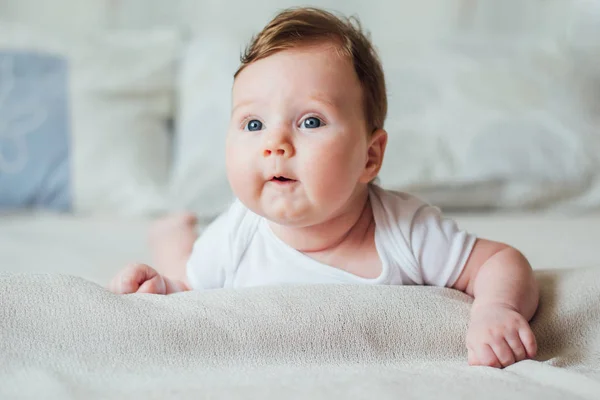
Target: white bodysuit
416, 245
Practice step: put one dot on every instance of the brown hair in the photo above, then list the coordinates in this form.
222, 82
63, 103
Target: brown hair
295, 27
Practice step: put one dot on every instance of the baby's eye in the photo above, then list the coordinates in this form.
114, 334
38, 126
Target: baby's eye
312, 123
254, 125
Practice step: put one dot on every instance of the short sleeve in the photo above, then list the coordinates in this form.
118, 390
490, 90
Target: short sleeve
440, 248
207, 266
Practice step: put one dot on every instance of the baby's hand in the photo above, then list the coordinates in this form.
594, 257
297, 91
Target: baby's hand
138, 278
499, 336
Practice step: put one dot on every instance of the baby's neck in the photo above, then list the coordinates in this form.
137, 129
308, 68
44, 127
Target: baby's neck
354, 222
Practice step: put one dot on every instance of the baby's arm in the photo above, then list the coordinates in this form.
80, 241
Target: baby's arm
171, 240
506, 296
184, 261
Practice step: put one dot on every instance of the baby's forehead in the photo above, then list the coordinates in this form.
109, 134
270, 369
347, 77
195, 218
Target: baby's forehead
317, 72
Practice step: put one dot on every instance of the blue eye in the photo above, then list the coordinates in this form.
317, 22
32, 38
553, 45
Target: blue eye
312, 123
254, 125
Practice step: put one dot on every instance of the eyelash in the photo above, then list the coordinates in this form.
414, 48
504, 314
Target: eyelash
313, 116
249, 118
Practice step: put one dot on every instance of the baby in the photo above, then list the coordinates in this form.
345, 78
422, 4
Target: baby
304, 146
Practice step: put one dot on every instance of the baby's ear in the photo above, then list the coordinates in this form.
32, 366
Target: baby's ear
375, 152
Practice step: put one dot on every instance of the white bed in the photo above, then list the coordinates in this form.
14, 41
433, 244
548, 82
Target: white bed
63, 335
96, 247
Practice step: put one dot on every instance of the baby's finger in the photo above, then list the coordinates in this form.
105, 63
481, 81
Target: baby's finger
113, 286
472, 357
133, 276
528, 340
155, 285
121, 284
503, 352
514, 341
486, 356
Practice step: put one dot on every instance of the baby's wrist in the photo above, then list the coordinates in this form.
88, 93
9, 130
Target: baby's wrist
486, 305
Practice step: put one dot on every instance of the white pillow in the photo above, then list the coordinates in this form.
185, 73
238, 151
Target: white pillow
199, 181
477, 123
118, 98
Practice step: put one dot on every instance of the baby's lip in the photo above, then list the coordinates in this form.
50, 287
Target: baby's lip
282, 178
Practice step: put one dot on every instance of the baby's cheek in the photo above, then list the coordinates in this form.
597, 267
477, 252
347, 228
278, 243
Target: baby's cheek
332, 174
240, 171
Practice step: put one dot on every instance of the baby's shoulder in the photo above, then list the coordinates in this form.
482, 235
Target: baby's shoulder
396, 204
230, 232
404, 213
235, 218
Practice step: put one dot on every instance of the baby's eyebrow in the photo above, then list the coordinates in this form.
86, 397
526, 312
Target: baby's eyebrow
241, 104
318, 98
325, 100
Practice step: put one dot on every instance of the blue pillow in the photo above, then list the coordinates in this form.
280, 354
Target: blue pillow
34, 132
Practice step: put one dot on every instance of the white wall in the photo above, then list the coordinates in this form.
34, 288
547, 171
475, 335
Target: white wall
57, 14
402, 17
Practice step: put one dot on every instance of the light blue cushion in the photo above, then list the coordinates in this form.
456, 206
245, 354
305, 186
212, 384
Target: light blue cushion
34, 132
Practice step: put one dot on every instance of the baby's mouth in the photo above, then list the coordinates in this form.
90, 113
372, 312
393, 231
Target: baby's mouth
282, 179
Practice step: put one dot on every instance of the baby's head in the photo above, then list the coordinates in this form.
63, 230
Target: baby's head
308, 106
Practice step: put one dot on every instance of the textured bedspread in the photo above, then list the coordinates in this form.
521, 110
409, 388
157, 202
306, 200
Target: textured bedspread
65, 337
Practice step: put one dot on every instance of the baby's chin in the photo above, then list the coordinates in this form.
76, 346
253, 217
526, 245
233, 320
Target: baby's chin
287, 213
292, 212
287, 218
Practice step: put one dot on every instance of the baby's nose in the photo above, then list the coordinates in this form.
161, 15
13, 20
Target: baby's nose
282, 149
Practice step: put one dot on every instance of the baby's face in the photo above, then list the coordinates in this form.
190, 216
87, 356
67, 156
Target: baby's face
297, 142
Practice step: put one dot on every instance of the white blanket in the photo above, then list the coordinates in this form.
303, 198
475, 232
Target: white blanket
65, 337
